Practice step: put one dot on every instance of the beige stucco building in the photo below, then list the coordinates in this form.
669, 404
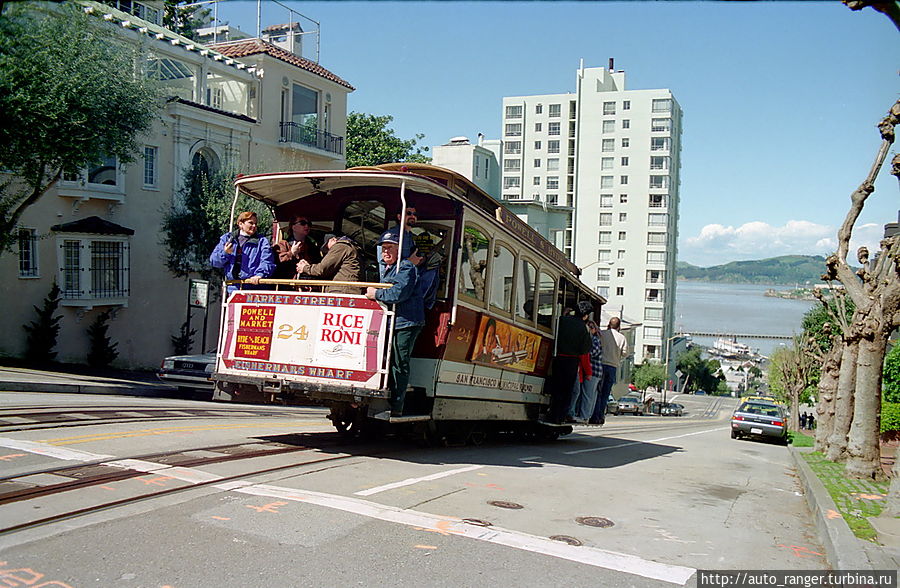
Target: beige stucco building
247, 104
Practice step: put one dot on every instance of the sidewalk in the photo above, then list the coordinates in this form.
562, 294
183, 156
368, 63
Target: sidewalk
76, 379
844, 550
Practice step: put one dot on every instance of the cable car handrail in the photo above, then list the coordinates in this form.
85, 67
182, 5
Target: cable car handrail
284, 282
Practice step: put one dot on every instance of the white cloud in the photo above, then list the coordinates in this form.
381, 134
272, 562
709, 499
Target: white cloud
717, 244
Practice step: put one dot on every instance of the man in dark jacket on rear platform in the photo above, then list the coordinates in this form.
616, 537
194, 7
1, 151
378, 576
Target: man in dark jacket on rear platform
340, 263
572, 342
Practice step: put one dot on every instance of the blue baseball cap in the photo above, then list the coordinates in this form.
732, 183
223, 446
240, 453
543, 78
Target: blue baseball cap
389, 236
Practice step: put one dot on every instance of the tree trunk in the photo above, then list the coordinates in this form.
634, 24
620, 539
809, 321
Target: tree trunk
827, 391
843, 403
863, 447
794, 421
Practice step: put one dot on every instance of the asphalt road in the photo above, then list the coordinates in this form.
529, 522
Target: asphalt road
226, 495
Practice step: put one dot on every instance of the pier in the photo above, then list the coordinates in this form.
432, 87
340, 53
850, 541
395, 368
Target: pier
739, 336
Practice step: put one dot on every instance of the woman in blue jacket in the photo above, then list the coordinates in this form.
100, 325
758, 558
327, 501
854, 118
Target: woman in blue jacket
243, 254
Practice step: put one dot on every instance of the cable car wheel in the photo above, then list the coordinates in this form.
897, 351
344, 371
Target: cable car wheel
346, 418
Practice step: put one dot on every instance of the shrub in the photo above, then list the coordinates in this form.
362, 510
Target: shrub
890, 416
103, 350
43, 332
184, 340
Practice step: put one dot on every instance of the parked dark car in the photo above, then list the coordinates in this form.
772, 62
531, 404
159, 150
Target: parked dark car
759, 419
630, 404
188, 372
671, 409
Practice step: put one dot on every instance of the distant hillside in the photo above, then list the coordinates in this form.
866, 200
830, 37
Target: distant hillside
787, 269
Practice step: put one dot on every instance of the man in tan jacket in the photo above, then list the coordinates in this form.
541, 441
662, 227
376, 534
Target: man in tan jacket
340, 262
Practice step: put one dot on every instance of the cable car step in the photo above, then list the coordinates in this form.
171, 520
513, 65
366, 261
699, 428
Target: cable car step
412, 418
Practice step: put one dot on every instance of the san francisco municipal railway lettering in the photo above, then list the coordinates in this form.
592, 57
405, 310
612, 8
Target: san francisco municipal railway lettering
299, 370
342, 328
303, 299
488, 382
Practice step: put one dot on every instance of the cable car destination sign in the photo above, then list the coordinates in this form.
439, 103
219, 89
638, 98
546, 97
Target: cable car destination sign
327, 338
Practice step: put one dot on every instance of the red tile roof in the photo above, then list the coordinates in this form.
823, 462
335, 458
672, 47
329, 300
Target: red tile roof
247, 47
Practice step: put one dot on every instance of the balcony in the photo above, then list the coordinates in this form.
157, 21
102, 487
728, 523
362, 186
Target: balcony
292, 132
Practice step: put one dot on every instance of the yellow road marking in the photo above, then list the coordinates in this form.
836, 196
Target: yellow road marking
59, 441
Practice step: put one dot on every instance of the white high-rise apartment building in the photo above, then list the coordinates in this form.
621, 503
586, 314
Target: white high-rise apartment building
606, 161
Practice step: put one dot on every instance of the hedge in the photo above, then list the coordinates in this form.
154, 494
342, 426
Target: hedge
890, 416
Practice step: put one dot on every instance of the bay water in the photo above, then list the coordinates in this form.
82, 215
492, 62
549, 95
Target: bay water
709, 307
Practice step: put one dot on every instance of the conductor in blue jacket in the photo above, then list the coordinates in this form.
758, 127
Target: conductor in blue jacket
409, 308
243, 254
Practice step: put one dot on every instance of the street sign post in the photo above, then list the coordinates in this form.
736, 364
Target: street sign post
198, 297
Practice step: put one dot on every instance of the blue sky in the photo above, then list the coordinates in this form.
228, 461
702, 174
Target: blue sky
780, 99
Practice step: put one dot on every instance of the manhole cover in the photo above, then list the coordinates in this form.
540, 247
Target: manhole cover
477, 522
504, 504
594, 522
566, 539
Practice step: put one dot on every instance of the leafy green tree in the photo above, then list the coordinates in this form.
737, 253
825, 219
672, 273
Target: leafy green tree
371, 142
68, 98
191, 228
649, 374
183, 19
700, 374
892, 375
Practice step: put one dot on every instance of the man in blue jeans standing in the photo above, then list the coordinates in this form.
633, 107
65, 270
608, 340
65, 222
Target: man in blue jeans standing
615, 348
409, 311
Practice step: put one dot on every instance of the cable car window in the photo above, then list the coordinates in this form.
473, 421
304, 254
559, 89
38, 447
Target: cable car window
364, 221
502, 268
545, 300
474, 262
568, 295
525, 283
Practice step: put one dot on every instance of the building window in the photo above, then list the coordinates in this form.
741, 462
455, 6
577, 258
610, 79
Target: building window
659, 162
620, 291
626, 105
555, 110
606, 200
537, 163
511, 182
623, 198
553, 199
603, 274
104, 174
537, 127
657, 219
656, 276
553, 182
536, 181
513, 130
656, 238
510, 165
605, 237
606, 163
659, 143
659, 182
656, 257
537, 145
28, 257
661, 125
658, 200
620, 254
653, 314
621, 235
626, 124
620, 272
623, 179
608, 145
609, 126
653, 332
626, 142
553, 128
514, 111
552, 164
552, 146
602, 291
603, 255
654, 295
605, 219
538, 108
512, 147
624, 161
662, 105
609, 108
151, 169
103, 263
606, 181
623, 216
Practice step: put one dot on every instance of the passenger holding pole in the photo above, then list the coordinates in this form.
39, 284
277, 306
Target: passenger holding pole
409, 312
243, 254
572, 342
340, 263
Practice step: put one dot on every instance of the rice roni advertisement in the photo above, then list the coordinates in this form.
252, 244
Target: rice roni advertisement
325, 338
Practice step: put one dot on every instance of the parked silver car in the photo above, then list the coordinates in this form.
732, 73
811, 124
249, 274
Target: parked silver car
630, 404
612, 405
188, 372
759, 419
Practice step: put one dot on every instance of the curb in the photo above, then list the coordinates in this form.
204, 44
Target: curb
8, 386
843, 549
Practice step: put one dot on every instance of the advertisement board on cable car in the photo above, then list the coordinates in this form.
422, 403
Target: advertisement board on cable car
324, 338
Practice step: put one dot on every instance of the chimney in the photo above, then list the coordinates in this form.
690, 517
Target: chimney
480, 139
612, 64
